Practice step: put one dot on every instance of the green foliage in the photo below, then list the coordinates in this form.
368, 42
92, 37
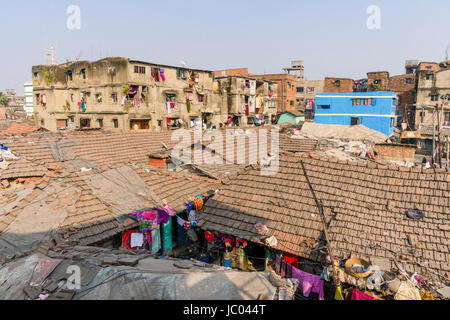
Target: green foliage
127, 107
66, 106
126, 89
48, 76
3, 99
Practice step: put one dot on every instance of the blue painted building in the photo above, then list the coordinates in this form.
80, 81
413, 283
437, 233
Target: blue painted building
375, 110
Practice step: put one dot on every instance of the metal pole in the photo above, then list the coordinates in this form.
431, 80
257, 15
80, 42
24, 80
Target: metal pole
448, 144
439, 154
324, 222
434, 139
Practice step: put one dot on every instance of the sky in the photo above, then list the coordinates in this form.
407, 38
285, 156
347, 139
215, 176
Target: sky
331, 36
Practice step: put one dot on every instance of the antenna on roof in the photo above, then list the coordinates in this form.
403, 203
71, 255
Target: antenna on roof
183, 63
446, 53
51, 60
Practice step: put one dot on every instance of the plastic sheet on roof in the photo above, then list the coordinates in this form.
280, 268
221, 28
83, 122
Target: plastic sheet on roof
163, 281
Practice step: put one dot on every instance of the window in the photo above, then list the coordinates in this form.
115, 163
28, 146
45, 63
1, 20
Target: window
201, 98
98, 98
114, 98
83, 74
85, 123
434, 97
409, 80
428, 67
377, 81
61, 124
181, 74
367, 102
356, 102
300, 89
71, 97
36, 75
337, 83
139, 69
100, 123
291, 103
429, 76
115, 123
354, 121
323, 106
37, 99
69, 75
139, 125
310, 90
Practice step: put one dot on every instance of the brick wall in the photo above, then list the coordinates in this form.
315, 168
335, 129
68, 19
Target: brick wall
334, 85
288, 82
397, 152
381, 76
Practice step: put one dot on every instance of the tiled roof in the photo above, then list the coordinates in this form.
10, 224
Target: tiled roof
177, 188
22, 168
365, 204
18, 128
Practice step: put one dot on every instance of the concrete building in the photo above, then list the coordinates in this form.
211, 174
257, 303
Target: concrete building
306, 94
375, 110
120, 94
285, 85
250, 101
287, 90
433, 88
29, 101
404, 86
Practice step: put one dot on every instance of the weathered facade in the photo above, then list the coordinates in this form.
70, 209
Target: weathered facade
405, 87
306, 95
249, 100
286, 84
120, 94
433, 88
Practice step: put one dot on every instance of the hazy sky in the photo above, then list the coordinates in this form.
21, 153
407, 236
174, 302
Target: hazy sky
330, 36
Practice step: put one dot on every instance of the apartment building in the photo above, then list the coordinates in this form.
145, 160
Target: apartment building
249, 101
306, 94
120, 94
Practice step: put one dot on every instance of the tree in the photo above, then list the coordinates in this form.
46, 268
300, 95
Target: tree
3, 99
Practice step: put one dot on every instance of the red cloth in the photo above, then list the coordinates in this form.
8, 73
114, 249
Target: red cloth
358, 295
209, 236
126, 238
292, 260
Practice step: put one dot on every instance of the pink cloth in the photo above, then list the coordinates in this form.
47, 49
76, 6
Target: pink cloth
149, 215
308, 282
358, 295
169, 210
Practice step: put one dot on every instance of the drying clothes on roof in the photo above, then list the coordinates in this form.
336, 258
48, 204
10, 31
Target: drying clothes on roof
209, 236
137, 239
291, 259
169, 210
198, 203
308, 282
148, 220
272, 241
358, 295
338, 294
163, 216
